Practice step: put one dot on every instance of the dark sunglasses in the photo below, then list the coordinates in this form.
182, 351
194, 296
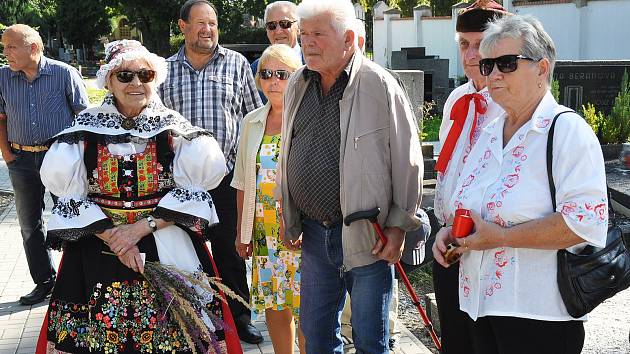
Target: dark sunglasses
144, 75
284, 24
505, 63
267, 74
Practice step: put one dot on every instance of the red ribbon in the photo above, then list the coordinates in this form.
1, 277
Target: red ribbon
459, 112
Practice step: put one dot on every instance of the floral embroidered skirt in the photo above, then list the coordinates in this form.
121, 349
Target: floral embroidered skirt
99, 305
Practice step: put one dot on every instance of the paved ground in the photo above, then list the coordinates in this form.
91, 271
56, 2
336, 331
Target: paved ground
20, 325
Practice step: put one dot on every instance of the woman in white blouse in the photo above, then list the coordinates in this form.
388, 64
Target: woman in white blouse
508, 269
132, 179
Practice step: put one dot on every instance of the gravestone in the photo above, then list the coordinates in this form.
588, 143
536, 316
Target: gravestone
586, 81
436, 82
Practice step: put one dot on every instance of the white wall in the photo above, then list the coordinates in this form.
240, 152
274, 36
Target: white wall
599, 30
562, 22
403, 30
608, 34
439, 39
379, 40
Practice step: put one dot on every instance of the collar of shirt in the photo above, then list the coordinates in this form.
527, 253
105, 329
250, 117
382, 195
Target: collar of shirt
312, 74
181, 55
43, 68
539, 123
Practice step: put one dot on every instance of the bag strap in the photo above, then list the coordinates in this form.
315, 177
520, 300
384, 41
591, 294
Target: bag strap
552, 186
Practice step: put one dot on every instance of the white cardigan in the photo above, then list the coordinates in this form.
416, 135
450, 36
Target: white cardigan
252, 132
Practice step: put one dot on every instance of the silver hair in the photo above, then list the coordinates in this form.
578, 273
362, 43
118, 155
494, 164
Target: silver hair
341, 11
277, 4
536, 42
29, 35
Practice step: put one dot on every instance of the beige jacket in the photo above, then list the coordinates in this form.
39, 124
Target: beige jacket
252, 131
380, 157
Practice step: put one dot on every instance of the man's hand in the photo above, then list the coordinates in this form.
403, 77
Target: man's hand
8, 156
392, 251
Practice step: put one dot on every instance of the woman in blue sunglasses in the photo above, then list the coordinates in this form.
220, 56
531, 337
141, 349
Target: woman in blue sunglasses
507, 274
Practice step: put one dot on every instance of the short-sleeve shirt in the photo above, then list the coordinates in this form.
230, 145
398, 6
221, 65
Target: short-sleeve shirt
38, 110
509, 186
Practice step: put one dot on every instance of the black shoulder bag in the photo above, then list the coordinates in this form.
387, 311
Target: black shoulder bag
595, 274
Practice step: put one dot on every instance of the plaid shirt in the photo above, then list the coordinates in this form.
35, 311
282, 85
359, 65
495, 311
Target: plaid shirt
215, 98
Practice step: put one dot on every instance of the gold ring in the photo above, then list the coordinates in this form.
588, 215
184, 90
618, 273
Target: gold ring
465, 244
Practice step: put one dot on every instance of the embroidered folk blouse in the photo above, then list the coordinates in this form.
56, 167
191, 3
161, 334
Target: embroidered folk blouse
508, 186
198, 166
446, 181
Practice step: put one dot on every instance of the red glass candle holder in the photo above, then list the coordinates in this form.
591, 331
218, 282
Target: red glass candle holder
462, 223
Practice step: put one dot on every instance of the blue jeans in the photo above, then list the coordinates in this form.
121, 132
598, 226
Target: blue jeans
323, 292
29, 203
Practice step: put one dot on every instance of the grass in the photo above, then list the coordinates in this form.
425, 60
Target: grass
422, 279
95, 95
431, 128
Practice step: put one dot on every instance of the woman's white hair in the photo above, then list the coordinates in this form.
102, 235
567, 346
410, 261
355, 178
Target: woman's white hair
341, 11
536, 42
122, 51
278, 4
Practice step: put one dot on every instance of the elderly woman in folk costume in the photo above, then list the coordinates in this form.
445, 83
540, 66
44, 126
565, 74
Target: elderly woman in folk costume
132, 179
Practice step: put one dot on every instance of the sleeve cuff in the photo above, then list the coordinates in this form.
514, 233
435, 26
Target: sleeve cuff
401, 219
192, 209
73, 218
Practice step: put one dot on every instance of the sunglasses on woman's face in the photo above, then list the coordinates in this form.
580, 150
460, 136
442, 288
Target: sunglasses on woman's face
267, 74
505, 63
144, 75
284, 24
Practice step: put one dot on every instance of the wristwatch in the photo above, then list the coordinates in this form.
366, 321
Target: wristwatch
152, 223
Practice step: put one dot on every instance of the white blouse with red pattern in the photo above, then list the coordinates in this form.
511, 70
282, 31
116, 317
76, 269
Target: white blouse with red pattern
508, 186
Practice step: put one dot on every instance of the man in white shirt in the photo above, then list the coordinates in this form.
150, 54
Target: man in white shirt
282, 28
467, 111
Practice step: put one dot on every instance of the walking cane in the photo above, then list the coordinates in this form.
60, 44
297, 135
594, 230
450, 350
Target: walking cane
371, 215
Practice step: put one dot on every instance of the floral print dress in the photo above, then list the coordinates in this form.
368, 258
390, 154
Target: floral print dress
275, 269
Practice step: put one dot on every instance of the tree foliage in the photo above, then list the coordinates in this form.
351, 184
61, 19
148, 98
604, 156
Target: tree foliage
442, 7
73, 17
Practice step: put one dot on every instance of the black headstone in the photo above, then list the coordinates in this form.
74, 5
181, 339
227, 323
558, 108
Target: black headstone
585, 81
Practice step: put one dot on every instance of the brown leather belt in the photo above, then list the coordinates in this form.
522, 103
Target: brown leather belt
34, 148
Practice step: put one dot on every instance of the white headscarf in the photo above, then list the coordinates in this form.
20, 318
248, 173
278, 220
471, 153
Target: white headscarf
127, 50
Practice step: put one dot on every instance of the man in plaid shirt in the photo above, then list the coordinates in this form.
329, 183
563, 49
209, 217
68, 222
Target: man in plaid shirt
214, 88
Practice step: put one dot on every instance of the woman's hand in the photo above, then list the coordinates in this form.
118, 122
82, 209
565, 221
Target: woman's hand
244, 250
106, 235
289, 244
124, 237
442, 239
132, 259
487, 236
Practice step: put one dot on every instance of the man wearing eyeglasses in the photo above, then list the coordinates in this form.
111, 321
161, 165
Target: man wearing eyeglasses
214, 88
468, 109
282, 28
39, 97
